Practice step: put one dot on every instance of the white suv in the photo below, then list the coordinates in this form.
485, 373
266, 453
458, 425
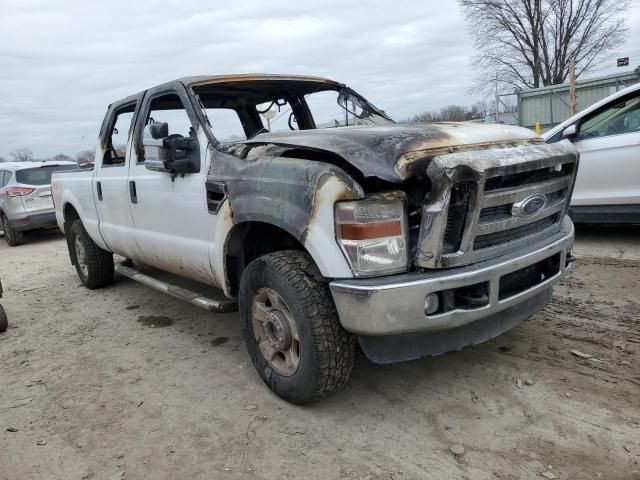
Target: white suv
25, 197
607, 135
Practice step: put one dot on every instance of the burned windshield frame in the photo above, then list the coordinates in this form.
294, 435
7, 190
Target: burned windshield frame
295, 93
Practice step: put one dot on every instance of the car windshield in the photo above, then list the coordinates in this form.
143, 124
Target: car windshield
40, 175
241, 110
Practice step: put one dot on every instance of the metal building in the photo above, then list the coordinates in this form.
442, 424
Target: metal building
551, 105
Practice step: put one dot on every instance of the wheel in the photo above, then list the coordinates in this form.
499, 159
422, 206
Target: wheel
291, 328
12, 237
4, 323
93, 264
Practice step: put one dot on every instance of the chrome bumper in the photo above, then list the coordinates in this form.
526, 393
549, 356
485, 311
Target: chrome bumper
396, 304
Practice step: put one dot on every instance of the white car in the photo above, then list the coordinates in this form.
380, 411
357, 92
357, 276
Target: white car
25, 197
607, 135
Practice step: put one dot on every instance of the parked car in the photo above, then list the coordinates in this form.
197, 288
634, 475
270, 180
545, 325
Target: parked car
607, 135
25, 197
411, 240
4, 323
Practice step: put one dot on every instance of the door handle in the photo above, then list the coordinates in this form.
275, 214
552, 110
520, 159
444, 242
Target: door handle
99, 190
132, 192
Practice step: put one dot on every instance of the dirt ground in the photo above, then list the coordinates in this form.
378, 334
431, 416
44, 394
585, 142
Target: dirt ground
127, 383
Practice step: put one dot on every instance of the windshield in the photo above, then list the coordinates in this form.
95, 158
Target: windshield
241, 110
40, 175
333, 108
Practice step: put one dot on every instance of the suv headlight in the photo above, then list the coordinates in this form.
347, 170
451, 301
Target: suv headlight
372, 235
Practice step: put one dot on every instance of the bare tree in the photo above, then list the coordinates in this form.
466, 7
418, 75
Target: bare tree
22, 155
529, 43
450, 113
61, 157
86, 156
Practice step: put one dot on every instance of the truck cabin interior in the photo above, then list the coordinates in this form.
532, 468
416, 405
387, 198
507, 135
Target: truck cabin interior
276, 104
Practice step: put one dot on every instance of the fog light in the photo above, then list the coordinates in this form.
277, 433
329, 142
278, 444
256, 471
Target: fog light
431, 304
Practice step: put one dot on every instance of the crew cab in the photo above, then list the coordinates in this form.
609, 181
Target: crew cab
607, 136
324, 222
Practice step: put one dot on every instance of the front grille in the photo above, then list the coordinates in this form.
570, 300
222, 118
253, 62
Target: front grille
498, 222
500, 225
461, 195
504, 236
519, 198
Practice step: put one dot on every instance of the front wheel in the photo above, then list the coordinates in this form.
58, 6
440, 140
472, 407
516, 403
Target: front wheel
291, 328
93, 264
12, 237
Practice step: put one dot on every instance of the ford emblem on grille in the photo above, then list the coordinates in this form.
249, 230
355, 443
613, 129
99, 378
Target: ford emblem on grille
529, 206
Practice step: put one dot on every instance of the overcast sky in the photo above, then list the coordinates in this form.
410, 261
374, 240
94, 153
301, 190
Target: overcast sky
63, 62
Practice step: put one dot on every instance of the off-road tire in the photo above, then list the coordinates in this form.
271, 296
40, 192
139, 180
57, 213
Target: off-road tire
327, 351
4, 323
99, 262
12, 237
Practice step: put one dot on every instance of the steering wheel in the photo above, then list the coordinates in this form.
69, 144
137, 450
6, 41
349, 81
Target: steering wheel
292, 119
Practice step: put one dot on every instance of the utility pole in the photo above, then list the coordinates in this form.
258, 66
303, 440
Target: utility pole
497, 116
573, 99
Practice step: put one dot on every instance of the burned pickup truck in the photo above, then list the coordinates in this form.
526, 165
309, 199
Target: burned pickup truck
327, 224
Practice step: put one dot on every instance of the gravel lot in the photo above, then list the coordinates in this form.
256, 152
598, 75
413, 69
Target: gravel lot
127, 383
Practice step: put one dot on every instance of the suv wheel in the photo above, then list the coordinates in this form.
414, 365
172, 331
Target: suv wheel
291, 328
93, 264
12, 237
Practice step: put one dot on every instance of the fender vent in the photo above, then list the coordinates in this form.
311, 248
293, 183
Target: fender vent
216, 195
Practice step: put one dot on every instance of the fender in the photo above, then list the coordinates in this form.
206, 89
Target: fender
296, 195
86, 211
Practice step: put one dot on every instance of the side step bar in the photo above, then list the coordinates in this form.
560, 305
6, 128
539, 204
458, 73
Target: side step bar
219, 306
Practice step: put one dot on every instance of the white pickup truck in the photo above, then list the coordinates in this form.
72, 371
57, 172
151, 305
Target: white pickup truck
325, 222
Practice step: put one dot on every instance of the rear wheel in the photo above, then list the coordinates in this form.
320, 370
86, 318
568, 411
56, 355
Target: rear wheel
93, 264
12, 237
291, 328
4, 323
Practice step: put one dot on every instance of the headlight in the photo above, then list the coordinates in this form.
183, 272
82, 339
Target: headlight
372, 235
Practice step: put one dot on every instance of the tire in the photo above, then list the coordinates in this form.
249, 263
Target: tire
4, 323
12, 237
325, 351
93, 264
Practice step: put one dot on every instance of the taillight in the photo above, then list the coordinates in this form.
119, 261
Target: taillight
19, 191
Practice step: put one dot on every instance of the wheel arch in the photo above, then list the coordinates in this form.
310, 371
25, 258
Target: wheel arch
69, 214
252, 239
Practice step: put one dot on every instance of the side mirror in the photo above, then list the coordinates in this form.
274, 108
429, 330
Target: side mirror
173, 154
570, 133
155, 155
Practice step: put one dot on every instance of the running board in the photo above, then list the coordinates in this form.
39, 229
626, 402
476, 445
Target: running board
220, 306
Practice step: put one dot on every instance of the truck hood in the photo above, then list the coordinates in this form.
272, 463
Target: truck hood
397, 151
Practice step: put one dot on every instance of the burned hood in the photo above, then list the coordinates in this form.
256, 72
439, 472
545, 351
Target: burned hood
397, 151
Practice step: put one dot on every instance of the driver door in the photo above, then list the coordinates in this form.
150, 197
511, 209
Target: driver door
173, 225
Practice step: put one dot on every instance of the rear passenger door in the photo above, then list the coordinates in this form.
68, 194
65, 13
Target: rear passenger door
111, 178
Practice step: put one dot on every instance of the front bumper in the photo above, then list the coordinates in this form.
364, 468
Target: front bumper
396, 304
31, 222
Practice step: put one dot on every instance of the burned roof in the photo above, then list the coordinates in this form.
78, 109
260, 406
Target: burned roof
260, 80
